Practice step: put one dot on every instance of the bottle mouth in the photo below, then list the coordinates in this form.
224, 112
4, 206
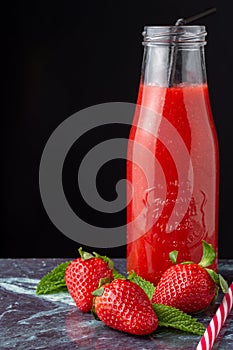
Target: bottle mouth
178, 34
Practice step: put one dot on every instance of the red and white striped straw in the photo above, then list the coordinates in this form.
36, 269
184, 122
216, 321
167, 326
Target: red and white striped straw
215, 325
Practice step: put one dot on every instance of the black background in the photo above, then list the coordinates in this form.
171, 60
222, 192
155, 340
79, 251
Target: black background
61, 57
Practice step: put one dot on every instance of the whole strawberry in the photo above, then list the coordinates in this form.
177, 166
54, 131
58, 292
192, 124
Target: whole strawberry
124, 306
190, 287
186, 287
82, 277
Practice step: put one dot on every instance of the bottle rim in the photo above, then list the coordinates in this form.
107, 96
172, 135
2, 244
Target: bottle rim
182, 34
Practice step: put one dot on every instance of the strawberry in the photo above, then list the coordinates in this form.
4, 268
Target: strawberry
189, 287
123, 305
186, 287
82, 277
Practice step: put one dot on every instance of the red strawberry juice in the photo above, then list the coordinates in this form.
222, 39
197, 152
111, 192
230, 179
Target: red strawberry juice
174, 175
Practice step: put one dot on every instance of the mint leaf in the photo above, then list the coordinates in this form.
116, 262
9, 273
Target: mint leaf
54, 281
208, 255
147, 286
171, 317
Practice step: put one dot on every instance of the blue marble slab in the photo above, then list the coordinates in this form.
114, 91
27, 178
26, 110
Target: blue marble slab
53, 322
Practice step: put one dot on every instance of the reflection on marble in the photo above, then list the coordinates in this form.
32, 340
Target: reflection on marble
35, 322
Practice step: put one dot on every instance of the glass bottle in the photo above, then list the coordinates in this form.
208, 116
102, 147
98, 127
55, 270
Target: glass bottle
173, 161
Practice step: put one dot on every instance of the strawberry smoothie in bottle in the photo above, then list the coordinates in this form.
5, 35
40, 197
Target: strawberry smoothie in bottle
172, 163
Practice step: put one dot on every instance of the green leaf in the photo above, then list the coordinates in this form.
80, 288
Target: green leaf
208, 255
214, 275
98, 292
54, 281
94, 314
117, 275
147, 286
171, 317
215, 297
218, 280
85, 255
110, 263
103, 281
173, 256
106, 259
223, 284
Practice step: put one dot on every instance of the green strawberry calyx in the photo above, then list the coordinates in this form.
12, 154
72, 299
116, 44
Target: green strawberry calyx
207, 259
110, 264
218, 279
86, 255
173, 256
208, 255
106, 259
98, 292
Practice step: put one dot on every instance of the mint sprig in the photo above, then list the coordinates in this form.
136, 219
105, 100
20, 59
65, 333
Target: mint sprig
54, 281
171, 317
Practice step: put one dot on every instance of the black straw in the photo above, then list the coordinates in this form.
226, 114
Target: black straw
182, 21
173, 54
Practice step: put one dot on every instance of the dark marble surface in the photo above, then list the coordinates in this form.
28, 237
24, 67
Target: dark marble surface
49, 322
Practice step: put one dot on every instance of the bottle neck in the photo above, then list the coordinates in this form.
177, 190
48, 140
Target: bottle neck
174, 58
